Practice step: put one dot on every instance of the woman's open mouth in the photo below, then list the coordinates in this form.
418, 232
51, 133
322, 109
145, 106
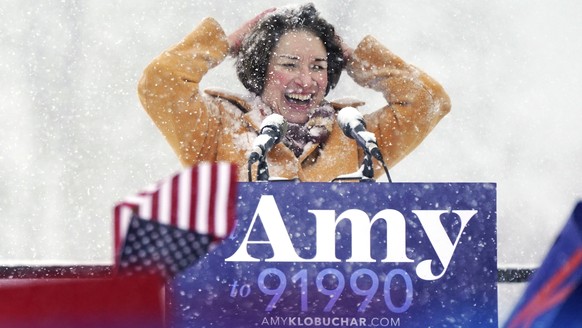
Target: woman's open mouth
299, 99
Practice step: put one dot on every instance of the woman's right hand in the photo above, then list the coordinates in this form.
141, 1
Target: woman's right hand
347, 51
236, 38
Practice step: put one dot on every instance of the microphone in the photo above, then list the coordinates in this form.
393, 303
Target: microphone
352, 124
273, 128
351, 121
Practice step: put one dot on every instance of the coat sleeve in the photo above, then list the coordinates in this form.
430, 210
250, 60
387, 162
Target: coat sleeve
169, 92
416, 102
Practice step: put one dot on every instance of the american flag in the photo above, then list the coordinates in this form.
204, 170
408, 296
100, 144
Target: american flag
200, 199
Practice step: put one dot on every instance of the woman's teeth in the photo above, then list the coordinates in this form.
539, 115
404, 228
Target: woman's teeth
298, 97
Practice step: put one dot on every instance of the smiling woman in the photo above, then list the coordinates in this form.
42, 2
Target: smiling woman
288, 59
297, 77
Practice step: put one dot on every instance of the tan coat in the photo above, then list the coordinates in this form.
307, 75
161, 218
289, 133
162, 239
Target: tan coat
216, 126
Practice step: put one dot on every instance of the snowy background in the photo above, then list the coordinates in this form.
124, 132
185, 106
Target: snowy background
75, 140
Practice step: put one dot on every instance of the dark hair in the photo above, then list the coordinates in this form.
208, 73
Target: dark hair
255, 53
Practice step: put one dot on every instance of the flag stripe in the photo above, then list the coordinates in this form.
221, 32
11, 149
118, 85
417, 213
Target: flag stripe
193, 199
164, 200
231, 206
174, 200
146, 206
155, 202
116, 232
212, 200
202, 205
122, 215
221, 204
184, 202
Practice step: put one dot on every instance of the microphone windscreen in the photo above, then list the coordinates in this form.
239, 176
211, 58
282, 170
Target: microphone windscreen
275, 120
348, 116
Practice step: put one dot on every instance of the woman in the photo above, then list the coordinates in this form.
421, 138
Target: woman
288, 59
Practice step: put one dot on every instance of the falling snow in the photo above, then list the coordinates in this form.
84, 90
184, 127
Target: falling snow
75, 139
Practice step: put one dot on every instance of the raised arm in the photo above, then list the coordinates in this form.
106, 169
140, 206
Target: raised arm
416, 102
169, 91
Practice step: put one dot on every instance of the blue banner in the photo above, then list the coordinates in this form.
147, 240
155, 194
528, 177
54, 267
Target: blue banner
348, 255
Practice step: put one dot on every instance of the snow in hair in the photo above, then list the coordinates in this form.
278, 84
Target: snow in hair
253, 59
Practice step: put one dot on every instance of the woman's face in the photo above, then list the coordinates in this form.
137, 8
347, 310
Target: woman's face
296, 76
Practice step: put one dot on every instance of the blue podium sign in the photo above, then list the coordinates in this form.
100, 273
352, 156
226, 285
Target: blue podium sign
348, 255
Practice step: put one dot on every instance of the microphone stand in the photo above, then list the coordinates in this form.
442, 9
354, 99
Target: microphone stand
366, 171
364, 174
262, 168
380, 159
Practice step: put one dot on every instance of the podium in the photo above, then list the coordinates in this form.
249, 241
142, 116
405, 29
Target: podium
347, 255
301, 254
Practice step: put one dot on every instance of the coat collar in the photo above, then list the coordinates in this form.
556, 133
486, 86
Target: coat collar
250, 105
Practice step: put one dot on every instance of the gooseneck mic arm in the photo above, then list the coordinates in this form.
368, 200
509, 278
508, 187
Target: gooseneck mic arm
273, 129
352, 124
